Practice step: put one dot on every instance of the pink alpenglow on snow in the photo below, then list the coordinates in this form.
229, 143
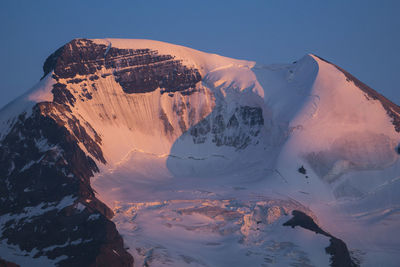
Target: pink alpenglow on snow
148, 153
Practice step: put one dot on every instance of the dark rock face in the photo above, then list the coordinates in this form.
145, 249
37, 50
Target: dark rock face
391, 108
167, 125
236, 131
136, 70
46, 200
62, 94
302, 170
340, 255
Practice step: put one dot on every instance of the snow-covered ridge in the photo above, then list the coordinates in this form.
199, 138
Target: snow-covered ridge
337, 113
205, 62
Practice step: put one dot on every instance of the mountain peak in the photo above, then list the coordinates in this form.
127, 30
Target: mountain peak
391, 108
153, 140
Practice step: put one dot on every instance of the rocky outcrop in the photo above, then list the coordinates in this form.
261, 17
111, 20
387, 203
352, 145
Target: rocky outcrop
340, 255
136, 70
237, 130
47, 206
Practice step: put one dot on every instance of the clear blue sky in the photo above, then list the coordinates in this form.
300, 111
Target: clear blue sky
362, 36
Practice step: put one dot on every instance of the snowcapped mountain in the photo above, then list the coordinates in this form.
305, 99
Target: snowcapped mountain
147, 153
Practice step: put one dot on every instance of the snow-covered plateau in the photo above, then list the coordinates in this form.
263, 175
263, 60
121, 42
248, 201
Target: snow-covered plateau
144, 153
